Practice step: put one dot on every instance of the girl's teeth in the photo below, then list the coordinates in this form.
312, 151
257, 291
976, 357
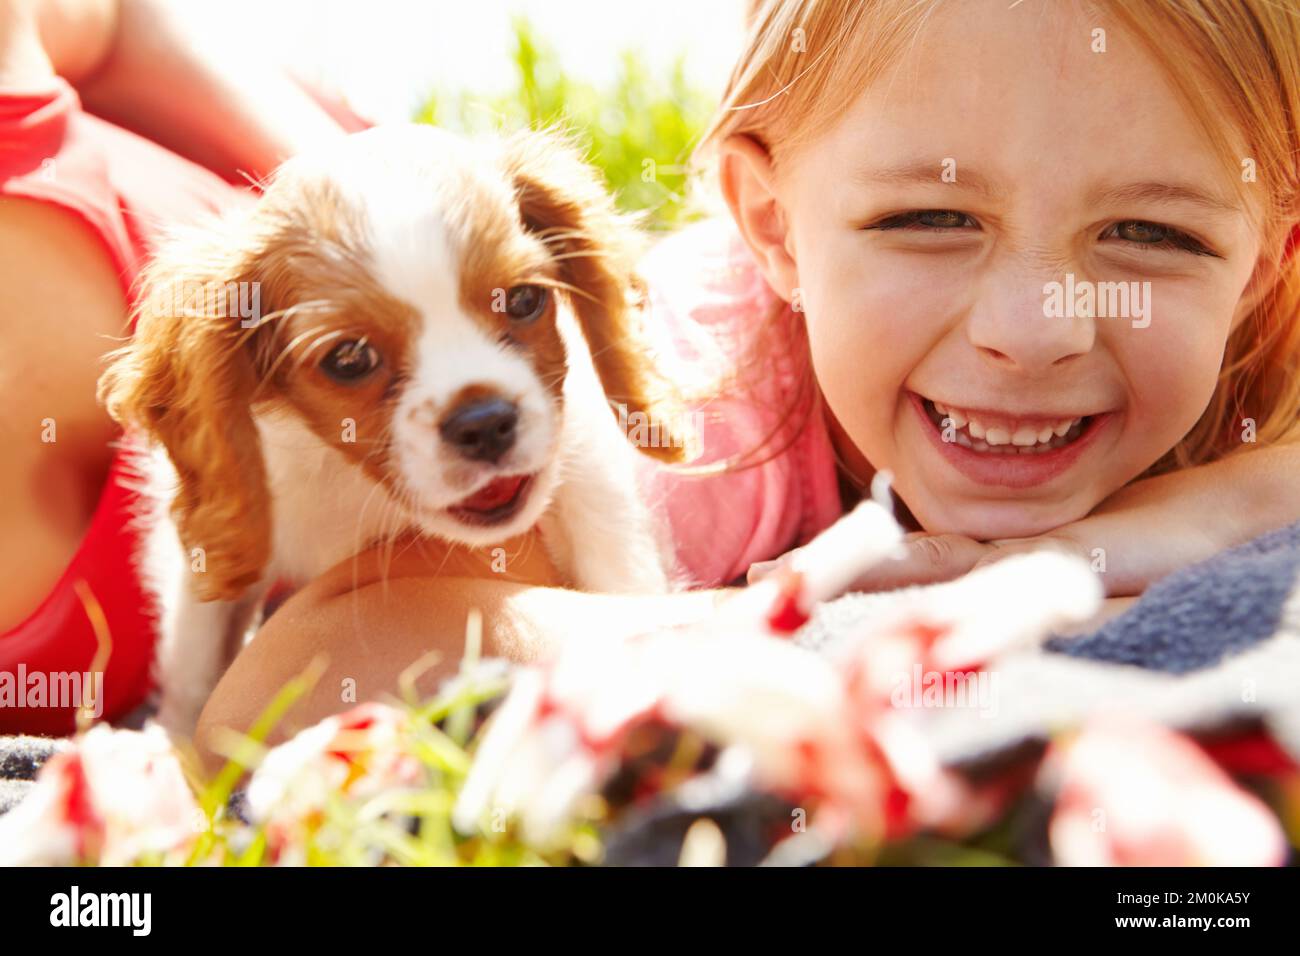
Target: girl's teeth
1025, 436
974, 434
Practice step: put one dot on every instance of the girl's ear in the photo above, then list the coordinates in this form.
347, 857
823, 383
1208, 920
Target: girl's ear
562, 201
745, 168
187, 379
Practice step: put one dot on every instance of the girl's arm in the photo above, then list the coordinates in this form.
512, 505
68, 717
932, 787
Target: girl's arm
1140, 534
142, 65
374, 616
1154, 527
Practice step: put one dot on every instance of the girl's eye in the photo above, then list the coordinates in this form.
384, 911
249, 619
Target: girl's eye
938, 219
525, 303
1151, 235
350, 362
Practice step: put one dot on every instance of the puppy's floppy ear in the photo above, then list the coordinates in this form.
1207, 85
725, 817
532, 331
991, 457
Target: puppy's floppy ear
187, 380
562, 200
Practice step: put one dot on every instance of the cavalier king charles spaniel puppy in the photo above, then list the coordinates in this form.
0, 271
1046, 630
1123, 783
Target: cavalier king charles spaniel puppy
407, 332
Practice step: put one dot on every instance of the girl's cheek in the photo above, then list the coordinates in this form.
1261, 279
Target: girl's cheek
883, 311
869, 329
862, 353
1172, 365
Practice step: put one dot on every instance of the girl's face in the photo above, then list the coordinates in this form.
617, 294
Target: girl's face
1000, 171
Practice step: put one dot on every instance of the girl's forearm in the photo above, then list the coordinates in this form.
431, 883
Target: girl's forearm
367, 638
198, 95
1154, 527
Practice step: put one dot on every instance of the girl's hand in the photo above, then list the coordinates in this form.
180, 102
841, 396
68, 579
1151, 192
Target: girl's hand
932, 558
1140, 534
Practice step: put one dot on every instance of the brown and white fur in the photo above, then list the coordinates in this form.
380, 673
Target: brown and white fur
403, 247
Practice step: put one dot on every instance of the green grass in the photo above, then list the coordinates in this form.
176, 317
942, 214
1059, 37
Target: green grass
639, 132
405, 826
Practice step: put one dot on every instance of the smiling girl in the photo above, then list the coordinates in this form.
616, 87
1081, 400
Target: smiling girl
996, 153
909, 183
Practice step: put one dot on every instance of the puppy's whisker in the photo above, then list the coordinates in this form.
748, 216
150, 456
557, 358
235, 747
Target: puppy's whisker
391, 506
308, 354
320, 332
396, 509
581, 254
563, 239
566, 287
597, 353
313, 335
386, 544
387, 509
405, 503
314, 305
358, 545
259, 183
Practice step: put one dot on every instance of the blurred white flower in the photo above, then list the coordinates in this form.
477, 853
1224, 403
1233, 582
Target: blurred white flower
1130, 793
357, 754
115, 796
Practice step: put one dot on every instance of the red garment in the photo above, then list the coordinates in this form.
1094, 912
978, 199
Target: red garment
125, 189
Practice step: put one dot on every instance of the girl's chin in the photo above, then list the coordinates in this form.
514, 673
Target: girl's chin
992, 521
1012, 496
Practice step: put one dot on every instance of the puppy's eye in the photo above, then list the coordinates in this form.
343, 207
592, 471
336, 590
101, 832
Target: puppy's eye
526, 303
350, 361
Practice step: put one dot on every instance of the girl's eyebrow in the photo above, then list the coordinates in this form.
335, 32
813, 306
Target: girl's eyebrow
1158, 192
928, 173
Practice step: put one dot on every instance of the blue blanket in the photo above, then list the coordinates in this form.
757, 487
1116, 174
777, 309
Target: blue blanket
1197, 616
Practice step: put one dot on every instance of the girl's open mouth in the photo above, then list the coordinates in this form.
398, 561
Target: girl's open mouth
1000, 449
997, 436
494, 503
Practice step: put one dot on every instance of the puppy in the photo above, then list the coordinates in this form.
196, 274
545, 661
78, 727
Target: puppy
407, 332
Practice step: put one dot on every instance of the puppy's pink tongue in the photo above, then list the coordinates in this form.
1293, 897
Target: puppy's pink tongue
494, 495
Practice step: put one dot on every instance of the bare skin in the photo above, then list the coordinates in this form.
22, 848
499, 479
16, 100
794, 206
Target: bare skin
61, 304
58, 321
377, 615
372, 617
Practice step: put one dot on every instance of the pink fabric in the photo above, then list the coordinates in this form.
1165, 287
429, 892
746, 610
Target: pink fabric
707, 303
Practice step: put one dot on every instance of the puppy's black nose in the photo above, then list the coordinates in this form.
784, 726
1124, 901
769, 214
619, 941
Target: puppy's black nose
482, 429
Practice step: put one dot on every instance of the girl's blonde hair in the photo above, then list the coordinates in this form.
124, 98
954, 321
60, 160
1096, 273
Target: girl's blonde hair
805, 61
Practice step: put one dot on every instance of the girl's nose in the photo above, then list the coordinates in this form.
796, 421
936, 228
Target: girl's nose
1011, 329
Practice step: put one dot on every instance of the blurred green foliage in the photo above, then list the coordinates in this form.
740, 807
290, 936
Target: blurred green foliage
639, 131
